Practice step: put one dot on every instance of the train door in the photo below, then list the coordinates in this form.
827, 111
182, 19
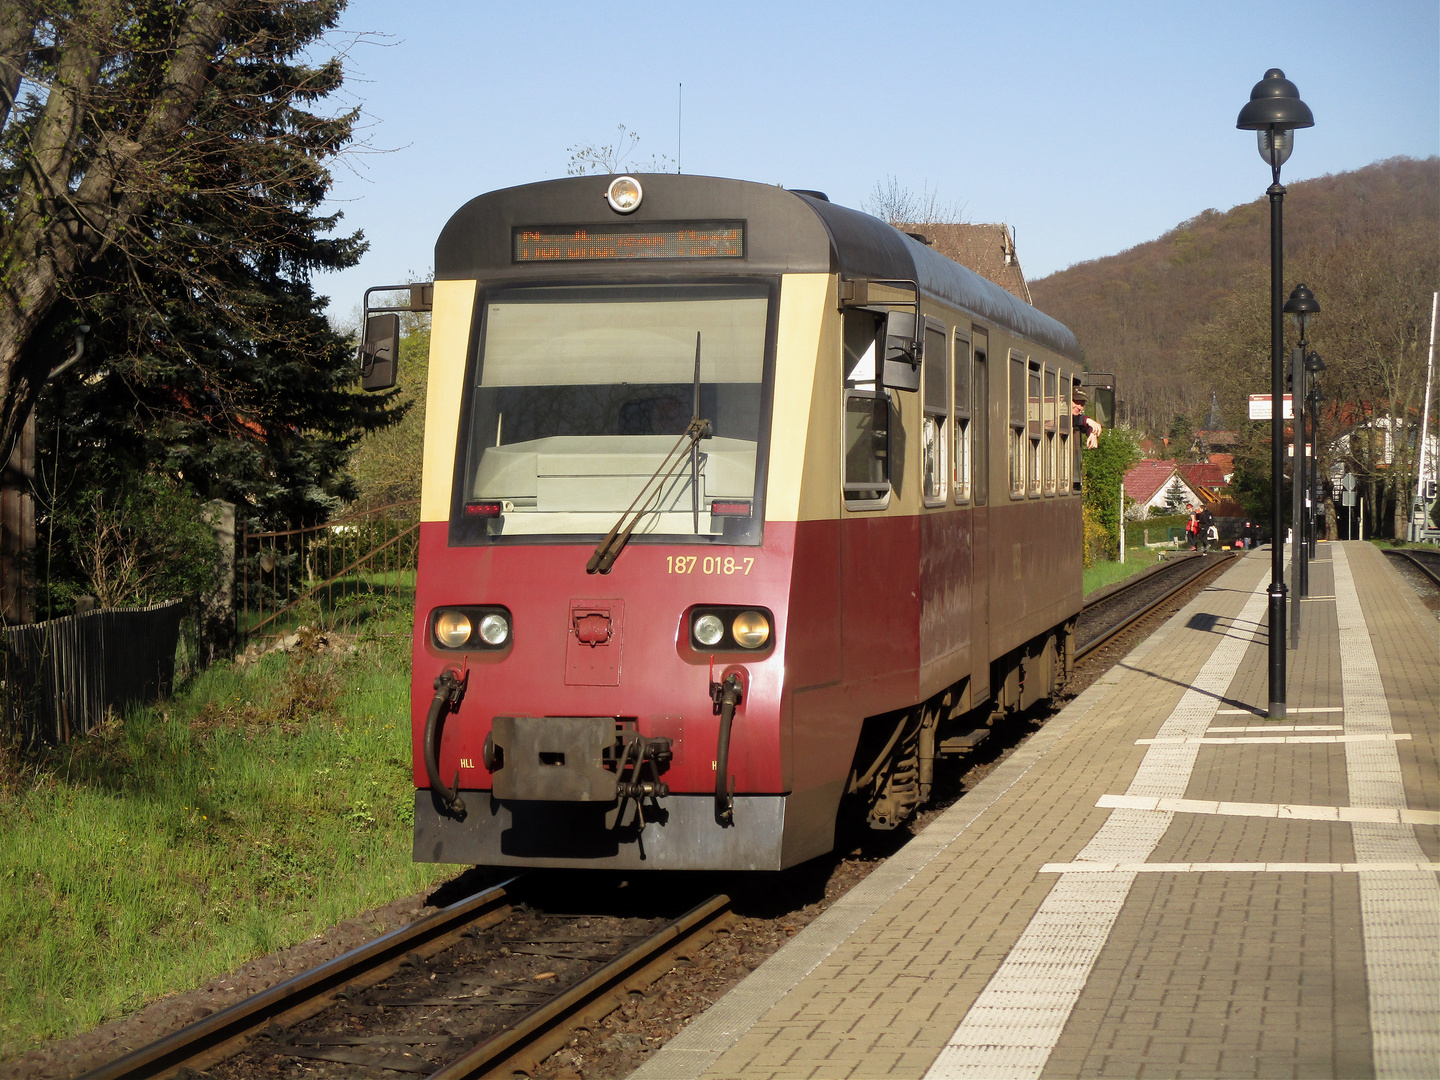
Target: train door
982, 408
878, 556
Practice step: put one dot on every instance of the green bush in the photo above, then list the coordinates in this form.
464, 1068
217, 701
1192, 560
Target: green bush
1104, 470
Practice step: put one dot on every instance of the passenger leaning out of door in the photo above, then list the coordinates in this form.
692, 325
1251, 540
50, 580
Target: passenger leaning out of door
1090, 427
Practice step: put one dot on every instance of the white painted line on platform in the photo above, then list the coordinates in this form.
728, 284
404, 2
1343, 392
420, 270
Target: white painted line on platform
1286, 811
1288, 739
1399, 912
1279, 727
1289, 711
1240, 868
1013, 1026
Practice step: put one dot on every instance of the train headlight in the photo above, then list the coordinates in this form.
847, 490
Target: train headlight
624, 194
750, 629
452, 629
709, 629
495, 629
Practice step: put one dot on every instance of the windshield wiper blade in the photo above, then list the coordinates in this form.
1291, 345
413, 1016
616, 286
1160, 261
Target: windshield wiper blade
608, 550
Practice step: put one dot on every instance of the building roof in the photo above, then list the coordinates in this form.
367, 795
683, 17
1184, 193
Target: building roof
1204, 474
1217, 438
989, 250
1146, 478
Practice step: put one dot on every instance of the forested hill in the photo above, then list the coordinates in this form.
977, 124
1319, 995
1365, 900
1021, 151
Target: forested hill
1144, 312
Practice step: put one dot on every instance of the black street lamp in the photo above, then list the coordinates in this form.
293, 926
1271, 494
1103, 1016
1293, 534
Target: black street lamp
1301, 307
1273, 113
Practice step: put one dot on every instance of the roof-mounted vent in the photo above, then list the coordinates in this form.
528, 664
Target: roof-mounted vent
811, 194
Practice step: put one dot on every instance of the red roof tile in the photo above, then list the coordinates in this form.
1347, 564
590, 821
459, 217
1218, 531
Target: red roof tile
1145, 478
1203, 474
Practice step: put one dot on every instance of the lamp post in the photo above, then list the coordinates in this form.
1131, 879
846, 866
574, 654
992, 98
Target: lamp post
1301, 306
1273, 113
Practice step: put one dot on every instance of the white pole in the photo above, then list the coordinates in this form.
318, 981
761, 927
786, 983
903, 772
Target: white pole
1361, 526
1415, 526
1122, 522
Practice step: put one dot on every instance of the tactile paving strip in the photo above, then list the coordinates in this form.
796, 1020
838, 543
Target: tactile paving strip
1399, 909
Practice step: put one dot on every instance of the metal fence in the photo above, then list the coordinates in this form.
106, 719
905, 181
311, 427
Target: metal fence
333, 576
59, 678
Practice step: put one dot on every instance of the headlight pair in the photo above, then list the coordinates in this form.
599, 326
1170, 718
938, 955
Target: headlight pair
723, 628
470, 628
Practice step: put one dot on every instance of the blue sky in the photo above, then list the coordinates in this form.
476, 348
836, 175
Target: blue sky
1089, 128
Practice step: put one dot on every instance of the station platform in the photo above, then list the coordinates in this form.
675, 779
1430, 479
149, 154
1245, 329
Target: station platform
1159, 883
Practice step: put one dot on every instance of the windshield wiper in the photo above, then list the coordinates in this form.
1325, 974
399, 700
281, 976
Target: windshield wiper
695, 445
608, 550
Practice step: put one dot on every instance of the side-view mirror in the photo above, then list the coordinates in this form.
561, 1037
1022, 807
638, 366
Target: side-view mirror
379, 351
1105, 405
903, 349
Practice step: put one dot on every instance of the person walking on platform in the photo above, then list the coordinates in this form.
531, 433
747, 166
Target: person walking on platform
1192, 531
1205, 524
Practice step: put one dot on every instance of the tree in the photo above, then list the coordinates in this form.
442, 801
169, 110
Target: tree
1181, 436
180, 165
160, 182
588, 159
1175, 496
1104, 469
897, 204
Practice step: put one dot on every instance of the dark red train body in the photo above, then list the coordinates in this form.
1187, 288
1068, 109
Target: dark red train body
850, 474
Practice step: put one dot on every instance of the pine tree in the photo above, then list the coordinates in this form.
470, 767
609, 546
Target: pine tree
162, 171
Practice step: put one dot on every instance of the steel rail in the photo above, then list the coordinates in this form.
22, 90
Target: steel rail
1204, 565
537, 1034
1427, 562
218, 1036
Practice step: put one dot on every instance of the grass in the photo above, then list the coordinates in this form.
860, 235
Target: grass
1107, 573
261, 805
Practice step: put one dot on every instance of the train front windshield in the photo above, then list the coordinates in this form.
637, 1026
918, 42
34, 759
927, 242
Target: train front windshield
581, 393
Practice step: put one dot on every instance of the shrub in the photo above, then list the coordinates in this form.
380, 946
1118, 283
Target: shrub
1099, 545
148, 544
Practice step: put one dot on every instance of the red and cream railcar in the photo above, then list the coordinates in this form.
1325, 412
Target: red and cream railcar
736, 503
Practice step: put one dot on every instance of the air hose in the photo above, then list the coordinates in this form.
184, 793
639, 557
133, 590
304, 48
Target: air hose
448, 690
728, 696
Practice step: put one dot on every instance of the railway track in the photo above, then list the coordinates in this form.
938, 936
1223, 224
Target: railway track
1111, 610
1427, 562
263, 1034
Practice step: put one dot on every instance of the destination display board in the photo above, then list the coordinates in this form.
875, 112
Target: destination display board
682, 240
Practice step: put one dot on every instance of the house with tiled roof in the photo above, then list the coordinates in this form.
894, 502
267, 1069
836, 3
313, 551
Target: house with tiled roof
1154, 487
989, 250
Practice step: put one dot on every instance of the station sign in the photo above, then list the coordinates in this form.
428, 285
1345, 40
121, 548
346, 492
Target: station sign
1260, 407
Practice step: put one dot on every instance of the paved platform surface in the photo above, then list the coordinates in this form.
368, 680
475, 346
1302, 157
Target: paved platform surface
1160, 883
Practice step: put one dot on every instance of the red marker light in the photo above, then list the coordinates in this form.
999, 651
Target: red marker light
730, 509
483, 509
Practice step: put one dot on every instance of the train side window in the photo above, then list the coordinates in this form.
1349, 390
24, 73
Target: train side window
962, 417
1062, 480
1052, 429
1017, 426
867, 415
935, 427
1077, 443
980, 421
1035, 459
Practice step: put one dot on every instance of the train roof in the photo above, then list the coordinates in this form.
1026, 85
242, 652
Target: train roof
786, 232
